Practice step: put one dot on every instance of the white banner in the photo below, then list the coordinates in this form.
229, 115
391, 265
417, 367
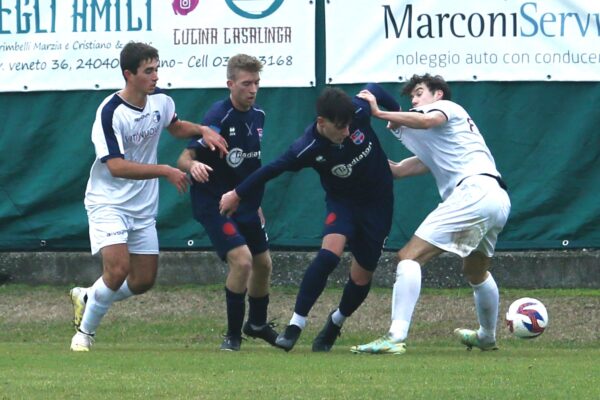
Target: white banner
75, 44
466, 40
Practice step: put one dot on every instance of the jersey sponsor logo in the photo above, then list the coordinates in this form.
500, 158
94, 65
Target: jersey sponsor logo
357, 137
345, 170
139, 136
341, 170
236, 157
320, 159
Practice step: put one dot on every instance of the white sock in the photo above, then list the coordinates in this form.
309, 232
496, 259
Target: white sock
100, 297
405, 295
486, 303
338, 318
123, 292
298, 320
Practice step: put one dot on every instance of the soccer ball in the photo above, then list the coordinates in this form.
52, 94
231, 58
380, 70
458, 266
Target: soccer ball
527, 318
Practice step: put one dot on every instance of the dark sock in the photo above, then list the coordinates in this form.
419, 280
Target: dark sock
236, 309
314, 281
257, 310
353, 297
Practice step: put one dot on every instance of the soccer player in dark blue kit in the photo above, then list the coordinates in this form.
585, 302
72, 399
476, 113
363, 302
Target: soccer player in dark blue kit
239, 239
354, 171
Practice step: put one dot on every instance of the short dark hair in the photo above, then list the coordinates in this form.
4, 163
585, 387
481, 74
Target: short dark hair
335, 105
433, 83
242, 62
134, 53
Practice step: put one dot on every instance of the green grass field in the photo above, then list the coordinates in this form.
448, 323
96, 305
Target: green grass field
164, 345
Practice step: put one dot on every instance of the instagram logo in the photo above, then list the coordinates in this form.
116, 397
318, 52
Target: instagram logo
183, 7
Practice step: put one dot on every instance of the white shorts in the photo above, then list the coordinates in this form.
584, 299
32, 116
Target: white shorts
469, 219
110, 226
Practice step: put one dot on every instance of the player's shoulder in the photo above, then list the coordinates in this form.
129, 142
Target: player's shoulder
220, 108
110, 104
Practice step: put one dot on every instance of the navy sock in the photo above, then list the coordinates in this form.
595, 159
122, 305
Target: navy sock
353, 297
257, 310
314, 281
236, 309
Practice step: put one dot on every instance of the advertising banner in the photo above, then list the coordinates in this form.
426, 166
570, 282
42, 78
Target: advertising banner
467, 40
75, 44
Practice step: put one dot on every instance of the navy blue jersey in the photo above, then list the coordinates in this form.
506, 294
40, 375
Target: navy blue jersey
356, 170
243, 132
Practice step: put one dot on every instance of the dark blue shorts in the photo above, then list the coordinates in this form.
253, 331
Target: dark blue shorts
227, 233
366, 227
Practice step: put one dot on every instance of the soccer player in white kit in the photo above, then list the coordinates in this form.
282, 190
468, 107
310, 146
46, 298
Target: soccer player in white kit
121, 198
475, 206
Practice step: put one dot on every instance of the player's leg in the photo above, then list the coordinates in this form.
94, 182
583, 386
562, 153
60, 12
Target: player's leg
230, 245
259, 281
487, 299
355, 292
405, 295
312, 285
489, 209
259, 284
239, 261
109, 234
115, 260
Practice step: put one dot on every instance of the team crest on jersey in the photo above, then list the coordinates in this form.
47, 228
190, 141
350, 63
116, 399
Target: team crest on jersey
155, 116
357, 137
259, 131
232, 131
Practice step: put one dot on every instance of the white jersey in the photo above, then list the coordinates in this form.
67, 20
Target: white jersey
453, 150
126, 131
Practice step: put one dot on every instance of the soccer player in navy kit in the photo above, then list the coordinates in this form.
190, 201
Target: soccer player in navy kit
239, 239
354, 171
121, 198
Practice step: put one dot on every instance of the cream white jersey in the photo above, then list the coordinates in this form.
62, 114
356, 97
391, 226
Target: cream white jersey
132, 133
453, 150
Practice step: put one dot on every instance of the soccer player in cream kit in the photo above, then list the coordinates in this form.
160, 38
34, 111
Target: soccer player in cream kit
474, 209
121, 197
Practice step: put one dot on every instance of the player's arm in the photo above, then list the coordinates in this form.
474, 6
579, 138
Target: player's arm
187, 163
411, 119
230, 201
121, 168
185, 129
410, 166
382, 97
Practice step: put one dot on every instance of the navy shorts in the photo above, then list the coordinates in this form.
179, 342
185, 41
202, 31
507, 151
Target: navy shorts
227, 233
366, 227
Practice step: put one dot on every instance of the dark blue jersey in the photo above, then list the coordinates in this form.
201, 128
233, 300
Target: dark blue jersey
243, 132
356, 170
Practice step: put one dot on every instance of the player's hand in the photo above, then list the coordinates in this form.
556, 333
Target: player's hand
214, 141
368, 96
229, 203
178, 178
200, 171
